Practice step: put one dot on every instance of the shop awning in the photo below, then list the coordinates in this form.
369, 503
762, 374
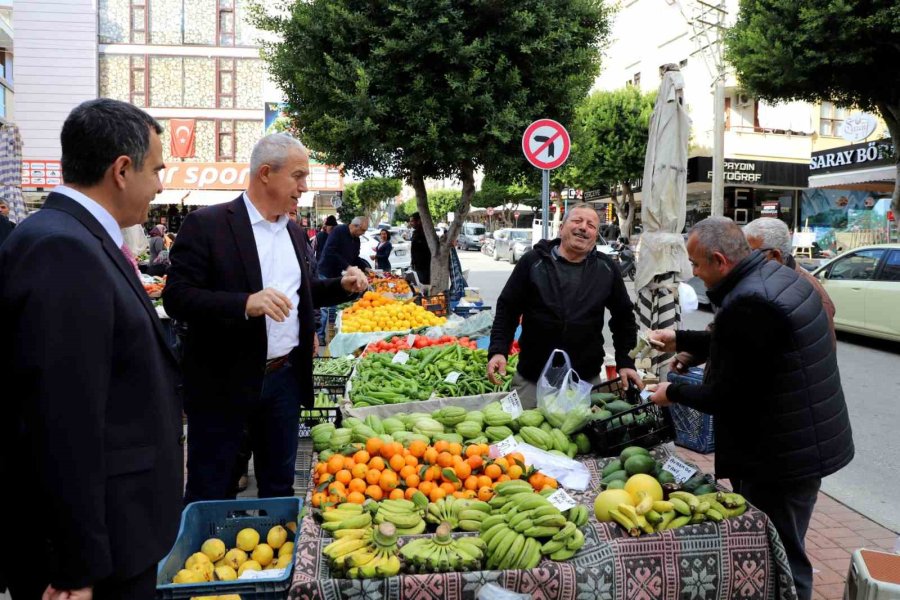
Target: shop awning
170, 197
884, 175
209, 197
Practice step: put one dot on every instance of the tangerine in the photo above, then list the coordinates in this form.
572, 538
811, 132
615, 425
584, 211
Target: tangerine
445, 459
397, 462
372, 476
493, 471
361, 457
476, 462
430, 456
454, 448
471, 482
359, 470
463, 470
335, 463
374, 492
514, 472
357, 485
441, 445
436, 494
426, 486
485, 493
356, 497
411, 480
417, 448
388, 480
396, 494
373, 445
343, 476
377, 463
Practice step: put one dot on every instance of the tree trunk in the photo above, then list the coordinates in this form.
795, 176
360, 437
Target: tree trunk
440, 247
891, 115
624, 208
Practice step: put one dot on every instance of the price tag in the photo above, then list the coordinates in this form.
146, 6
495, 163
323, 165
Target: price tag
561, 500
503, 447
410, 339
512, 405
401, 357
452, 377
680, 470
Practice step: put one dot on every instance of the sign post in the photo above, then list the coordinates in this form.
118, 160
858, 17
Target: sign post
546, 145
516, 217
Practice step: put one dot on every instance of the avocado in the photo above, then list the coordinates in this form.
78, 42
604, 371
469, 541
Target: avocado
620, 475
665, 477
616, 484
639, 463
631, 451
706, 488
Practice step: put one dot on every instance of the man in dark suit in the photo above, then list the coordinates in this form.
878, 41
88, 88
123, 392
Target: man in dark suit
239, 279
92, 452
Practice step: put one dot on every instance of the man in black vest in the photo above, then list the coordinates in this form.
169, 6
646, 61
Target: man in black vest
771, 380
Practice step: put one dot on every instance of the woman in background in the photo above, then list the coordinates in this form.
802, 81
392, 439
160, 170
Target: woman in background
383, 251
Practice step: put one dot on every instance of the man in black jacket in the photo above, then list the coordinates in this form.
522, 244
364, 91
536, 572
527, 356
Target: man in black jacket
419, 252
342, 248
561, 290
771, 381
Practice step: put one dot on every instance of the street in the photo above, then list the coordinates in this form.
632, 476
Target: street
870, 379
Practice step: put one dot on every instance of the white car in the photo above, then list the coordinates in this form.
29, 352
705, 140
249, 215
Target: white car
400, 257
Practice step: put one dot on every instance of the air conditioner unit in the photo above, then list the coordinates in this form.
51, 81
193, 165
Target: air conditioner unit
744, 100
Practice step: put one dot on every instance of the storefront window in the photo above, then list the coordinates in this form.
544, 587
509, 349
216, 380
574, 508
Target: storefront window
774, 203
831, 118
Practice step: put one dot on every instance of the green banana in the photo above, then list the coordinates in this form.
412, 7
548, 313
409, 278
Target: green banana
552, 546
702, 507
492, 520
653, 517
556, 520
541, 531
416, 530
519, 517
714, 515
532, 554
353, 522
663, 506
576, 541
512, 554
680, 521
626, 523
524, 525
563, 554
680, 506
666, 519
686, 497
568, 529
469, 525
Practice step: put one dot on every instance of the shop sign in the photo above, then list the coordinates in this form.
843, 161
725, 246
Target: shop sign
38, 173
851, 157
771, 209
858, 127
750, 172
206, 176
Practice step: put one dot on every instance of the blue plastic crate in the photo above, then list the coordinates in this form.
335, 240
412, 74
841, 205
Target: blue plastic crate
693, 429
223, 519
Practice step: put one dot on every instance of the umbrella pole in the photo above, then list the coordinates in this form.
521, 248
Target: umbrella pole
658, 308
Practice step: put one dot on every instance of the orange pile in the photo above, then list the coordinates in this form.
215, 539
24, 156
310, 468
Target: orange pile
369, 300
380, 470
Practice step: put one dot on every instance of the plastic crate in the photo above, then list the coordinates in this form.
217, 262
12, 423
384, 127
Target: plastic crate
467, 311
327, 381
310, 417
693, 429
223, 519
439, 304
873, 575
646, 425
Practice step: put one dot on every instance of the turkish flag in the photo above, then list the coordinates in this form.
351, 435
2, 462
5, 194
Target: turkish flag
181, 134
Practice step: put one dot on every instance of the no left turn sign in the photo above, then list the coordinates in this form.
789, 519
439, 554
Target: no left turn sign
546, 144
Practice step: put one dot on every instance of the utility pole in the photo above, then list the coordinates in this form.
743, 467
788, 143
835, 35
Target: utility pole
707, 19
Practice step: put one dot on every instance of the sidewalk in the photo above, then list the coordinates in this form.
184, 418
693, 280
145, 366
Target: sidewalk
835, 532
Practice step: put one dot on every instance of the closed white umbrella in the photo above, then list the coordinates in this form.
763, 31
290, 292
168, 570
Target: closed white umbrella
11, 171
663, 259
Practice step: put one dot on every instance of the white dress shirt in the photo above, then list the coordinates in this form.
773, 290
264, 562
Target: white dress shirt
281, 271
97, 211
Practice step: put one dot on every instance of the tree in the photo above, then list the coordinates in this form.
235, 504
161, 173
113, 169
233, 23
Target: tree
440, 202
506, 196
350, 205
820, 50
431, 88
609, 143
378, 194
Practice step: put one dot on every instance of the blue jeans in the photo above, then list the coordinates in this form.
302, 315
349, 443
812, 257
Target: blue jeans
214, 440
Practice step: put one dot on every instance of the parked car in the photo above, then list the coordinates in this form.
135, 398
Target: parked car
400, 257
471, 236
864, 285
505, 241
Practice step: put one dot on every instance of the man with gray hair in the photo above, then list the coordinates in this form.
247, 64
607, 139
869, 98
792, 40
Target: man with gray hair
772, 237
771, 380
342, 248
239, 278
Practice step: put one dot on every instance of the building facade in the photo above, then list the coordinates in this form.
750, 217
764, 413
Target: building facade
195, 66
768, 148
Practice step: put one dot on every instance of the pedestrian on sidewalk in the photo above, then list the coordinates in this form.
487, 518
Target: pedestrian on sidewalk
771, 380
561, 290
239, 279
91, 438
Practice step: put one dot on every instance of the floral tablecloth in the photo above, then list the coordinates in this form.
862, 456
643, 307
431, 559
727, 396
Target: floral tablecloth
737, 558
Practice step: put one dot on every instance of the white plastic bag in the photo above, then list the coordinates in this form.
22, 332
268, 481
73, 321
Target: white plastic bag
687, 298
563, 398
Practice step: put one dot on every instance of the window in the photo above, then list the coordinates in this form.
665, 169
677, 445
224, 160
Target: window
225, 141
140, 80
891, 269
636, 80
831, 118
859, 266
138, 22
225, 83
683, 63
225, 24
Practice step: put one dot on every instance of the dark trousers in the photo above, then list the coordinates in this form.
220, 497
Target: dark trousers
789, 506
214, 442
140, 587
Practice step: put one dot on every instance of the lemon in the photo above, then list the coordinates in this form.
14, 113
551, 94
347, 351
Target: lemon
213, 548
235, 557
263, 554
225, 574
247, 539
250, 565
276, 537
188, 576
196, 558
287, 548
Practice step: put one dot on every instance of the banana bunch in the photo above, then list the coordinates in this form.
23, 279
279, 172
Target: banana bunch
682, 508
578, 514
525, 526
458, 513
346, 516
441, 553
404, 514
367, 553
